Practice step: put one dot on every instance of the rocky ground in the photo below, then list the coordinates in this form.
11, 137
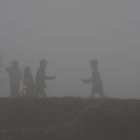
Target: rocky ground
69, 119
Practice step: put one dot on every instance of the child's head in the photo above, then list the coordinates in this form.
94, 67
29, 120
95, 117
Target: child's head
93, 63
14, 64
43, 63
27, 69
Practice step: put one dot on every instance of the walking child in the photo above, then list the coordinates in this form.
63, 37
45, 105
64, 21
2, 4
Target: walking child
97, 85
41, 77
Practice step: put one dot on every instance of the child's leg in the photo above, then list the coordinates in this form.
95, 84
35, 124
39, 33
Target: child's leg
34, 91
101, 93
42, 92
14, 91
93, 92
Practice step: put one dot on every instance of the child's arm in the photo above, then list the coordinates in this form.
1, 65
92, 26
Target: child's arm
44, 76
2, 80
50, 78
87, 81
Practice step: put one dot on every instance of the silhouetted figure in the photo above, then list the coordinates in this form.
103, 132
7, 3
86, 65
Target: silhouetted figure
97, 86
28, 81
15, 77
41, 77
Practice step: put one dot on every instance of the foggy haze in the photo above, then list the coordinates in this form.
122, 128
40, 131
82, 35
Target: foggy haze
69, 33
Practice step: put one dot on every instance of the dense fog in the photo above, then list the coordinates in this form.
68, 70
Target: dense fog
69, 33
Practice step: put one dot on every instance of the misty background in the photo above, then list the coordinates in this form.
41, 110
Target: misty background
69, 33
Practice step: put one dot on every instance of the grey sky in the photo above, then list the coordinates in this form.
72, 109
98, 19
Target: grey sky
71, 32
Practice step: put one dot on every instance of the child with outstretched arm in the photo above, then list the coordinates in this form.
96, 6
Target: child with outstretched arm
41, 77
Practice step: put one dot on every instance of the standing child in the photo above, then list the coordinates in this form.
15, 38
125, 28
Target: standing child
97, 86
15, 77
29, 83
41, 77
